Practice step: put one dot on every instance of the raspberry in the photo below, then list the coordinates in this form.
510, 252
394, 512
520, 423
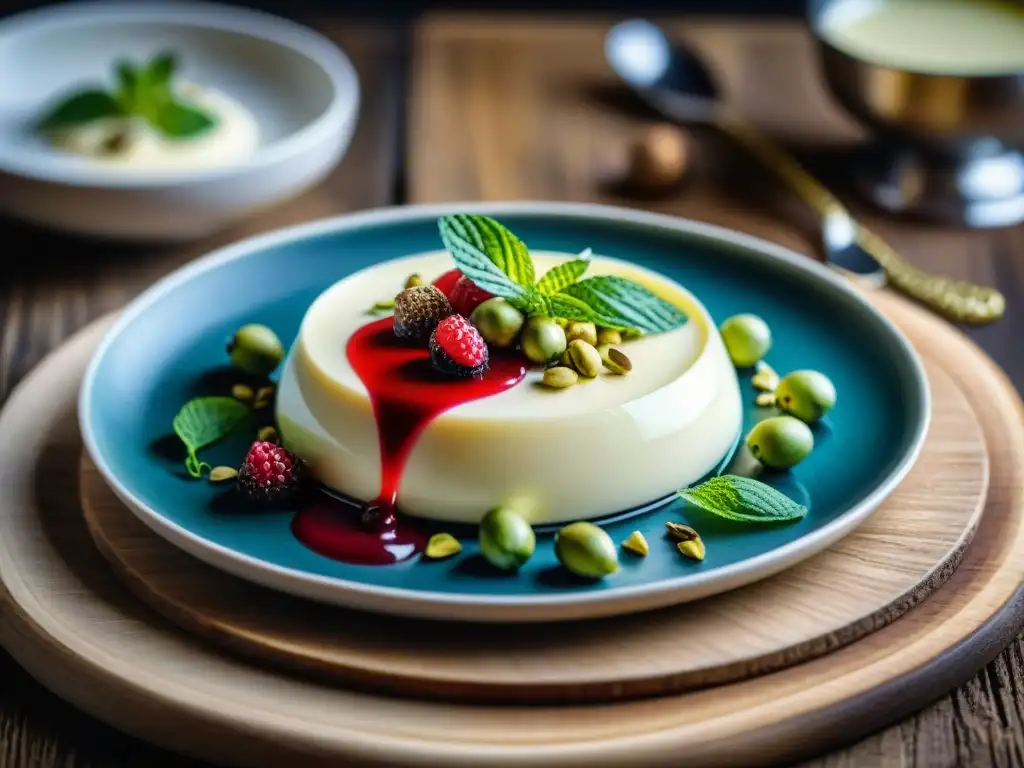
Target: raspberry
270, 475
418, 311
466, 297
457, 348
446, 282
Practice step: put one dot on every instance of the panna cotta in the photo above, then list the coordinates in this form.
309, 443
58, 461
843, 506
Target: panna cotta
607, 445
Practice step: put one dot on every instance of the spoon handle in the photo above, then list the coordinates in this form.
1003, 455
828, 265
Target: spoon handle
957, 300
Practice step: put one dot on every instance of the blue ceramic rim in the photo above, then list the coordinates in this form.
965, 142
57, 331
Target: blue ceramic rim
735, 575
338, 118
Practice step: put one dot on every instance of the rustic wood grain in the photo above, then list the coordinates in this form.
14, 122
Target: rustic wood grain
526, 108
57, 284
69, 620
889, 565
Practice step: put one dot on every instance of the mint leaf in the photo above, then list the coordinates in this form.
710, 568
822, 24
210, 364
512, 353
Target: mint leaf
204, 421
471, 244
531, 302
180, 121
161, 69
743, 500
80, 108
571, 308
618, 302
562, 276
127, 81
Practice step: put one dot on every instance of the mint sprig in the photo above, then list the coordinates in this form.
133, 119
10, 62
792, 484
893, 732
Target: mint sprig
744, 500
499, 262
202, 422
140, 91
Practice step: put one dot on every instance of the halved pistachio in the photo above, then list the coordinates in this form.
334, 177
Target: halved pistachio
694, 549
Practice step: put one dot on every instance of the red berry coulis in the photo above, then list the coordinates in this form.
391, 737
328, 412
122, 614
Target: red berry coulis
407, 394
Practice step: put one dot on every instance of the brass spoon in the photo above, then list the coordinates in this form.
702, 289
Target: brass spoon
676, 83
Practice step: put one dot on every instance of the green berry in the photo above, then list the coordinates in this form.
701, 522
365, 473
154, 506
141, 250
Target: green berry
780, 442
586, 550
542, 340
808, 395
498, 322
256, 350
747, 339
506, 539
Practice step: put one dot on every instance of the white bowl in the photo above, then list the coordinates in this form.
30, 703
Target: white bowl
302, 90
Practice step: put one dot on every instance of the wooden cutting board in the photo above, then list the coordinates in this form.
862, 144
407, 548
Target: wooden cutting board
69, 621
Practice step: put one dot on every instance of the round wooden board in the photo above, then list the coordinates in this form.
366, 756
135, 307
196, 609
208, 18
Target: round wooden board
78, 629
908, 548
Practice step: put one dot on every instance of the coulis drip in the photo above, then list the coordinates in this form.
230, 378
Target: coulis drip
407, 394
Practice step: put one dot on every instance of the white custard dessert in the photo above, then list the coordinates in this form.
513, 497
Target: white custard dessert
604, 446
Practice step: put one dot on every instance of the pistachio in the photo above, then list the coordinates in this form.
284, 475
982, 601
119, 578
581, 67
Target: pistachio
584, 331
413, 280
559, 377
585, 359
242, 392
765, 399
766, 379
268, 434
615, 360
264, 397
637, 544
747, 339
498, 322
441, 545
586, 550
562, 322
681, 532
608, 336
780, 442
222, 474
694, 548
807, 395
565, 359
256, 349
381, 306
506, 540
629, 334
542, 340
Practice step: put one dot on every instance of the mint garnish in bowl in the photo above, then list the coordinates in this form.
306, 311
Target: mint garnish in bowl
141, 92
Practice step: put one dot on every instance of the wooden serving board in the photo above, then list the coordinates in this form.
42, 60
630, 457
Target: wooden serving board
71, 623
908, 548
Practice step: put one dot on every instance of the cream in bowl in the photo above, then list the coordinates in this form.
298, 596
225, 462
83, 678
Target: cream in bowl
608, 444
940, 37
149, 120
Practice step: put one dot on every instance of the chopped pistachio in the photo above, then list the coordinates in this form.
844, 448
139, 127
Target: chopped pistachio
241, 392
268, 434
223, 474
637, 544
442, 545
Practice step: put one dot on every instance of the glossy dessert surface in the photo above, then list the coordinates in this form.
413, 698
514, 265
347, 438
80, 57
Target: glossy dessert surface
596, 450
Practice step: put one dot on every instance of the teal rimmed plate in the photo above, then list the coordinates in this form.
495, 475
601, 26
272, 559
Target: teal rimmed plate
168, 346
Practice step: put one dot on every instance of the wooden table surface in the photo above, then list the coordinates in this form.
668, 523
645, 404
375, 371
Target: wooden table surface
510, 108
